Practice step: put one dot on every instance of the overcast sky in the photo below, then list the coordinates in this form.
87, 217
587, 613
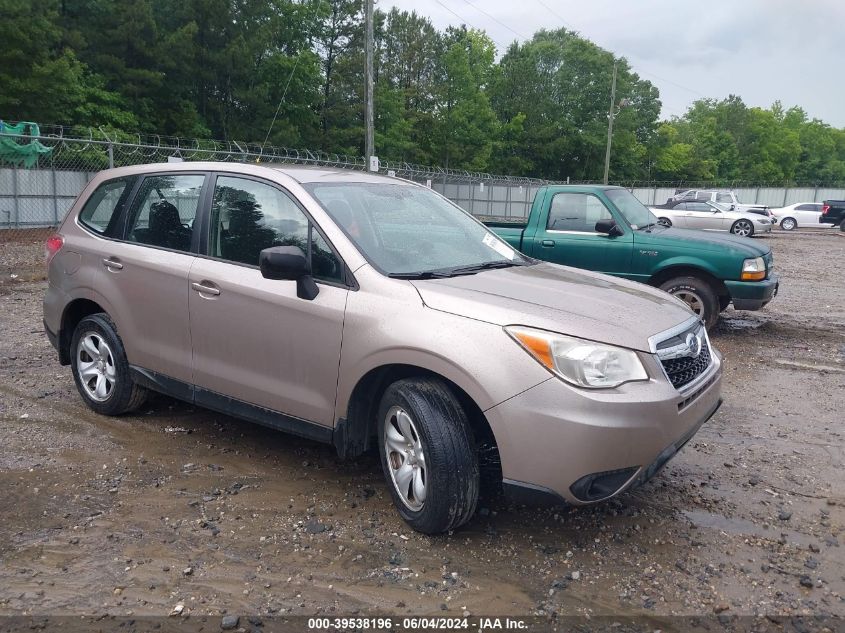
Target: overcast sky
761, 50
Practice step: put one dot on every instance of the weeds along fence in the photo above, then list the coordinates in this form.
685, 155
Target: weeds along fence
39, 195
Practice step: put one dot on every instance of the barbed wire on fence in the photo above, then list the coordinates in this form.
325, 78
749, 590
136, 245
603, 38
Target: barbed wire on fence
40, 195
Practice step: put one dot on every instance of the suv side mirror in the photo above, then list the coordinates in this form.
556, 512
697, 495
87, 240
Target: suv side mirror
609, 227
289, 263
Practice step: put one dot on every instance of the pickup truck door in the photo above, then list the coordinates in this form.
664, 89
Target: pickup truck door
253, 339
570, 238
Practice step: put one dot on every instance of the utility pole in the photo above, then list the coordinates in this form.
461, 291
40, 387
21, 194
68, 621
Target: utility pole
610, 124
368, 115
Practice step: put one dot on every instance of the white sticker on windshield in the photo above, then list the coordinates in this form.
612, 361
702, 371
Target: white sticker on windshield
501, 248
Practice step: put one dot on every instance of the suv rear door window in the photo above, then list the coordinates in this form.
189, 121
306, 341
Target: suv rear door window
164, 210
248, 216
102, 209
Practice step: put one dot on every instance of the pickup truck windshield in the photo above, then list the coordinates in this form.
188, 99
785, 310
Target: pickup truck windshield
638, 216
410, 232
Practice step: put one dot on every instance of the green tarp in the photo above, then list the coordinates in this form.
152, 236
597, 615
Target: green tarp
16, 150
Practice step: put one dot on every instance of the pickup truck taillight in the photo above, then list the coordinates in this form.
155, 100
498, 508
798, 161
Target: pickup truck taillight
825, 209
52, 246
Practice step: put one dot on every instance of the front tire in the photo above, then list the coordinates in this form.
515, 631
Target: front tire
428, 455
743, 228
100, 369
788, 224
698, 294
664, 222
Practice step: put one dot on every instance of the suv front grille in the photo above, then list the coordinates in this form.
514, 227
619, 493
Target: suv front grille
682, 371
685, 354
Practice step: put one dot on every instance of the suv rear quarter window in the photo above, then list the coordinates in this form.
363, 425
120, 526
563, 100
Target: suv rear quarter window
102, 210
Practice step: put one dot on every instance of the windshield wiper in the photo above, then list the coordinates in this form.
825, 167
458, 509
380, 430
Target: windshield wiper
420, 274
453, 272
468, 270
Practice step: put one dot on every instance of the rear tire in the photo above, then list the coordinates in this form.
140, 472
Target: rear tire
698, 294
428, 455
100, 369
788, 224
743, 228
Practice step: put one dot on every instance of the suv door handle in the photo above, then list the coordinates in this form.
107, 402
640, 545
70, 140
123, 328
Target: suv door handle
112, 264
547, 243
205, 290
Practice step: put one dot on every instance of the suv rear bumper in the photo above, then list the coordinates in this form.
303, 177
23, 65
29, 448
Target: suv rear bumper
753, 295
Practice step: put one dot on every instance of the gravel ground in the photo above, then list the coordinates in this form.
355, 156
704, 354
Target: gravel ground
182, 506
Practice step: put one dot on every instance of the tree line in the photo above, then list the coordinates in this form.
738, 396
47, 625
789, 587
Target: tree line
228, 68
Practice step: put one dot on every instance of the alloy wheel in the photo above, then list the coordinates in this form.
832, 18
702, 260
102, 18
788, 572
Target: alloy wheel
405, 457
743, 228
95, 366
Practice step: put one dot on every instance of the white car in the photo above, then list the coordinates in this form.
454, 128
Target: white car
710, 216
800, 214
725, 198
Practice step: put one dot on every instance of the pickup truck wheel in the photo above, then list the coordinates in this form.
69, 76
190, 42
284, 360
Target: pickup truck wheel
698, 295
100, 369
664, 222
743, 228
788, 224
428, 455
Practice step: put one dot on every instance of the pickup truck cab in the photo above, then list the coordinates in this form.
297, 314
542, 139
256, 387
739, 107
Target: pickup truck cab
606, 229
372, 313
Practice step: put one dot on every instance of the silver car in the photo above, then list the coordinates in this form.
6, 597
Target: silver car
711, 216
373, 314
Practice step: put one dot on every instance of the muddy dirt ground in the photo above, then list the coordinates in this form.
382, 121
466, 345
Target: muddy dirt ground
181, 506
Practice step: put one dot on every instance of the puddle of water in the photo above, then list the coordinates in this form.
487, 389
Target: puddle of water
733, 525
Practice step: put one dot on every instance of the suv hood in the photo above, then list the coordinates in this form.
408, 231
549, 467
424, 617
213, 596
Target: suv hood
559, 299
709, 241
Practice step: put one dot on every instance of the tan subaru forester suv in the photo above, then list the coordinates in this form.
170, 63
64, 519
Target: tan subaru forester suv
370, 312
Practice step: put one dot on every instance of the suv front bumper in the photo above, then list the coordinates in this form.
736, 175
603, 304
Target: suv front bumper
557, 442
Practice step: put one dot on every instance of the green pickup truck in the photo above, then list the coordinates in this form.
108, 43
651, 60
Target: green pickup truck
608, 230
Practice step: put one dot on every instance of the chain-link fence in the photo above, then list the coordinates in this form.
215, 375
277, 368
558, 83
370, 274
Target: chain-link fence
38, 195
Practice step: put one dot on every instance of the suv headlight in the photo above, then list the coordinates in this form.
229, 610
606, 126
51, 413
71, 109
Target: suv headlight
580, 362
753, 269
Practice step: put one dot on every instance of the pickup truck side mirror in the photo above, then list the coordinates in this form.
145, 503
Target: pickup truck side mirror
289, 263
609, 227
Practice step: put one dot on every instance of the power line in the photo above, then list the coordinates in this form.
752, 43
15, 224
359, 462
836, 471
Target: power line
668, 81
465, 21
497, 20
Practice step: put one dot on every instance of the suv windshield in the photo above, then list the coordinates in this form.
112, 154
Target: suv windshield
409, 231
635, 212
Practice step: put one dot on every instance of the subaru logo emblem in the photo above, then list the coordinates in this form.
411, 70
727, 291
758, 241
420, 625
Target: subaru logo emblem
693, 345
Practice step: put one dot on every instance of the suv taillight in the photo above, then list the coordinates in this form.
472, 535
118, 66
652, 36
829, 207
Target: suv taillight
52, 246
825, 209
